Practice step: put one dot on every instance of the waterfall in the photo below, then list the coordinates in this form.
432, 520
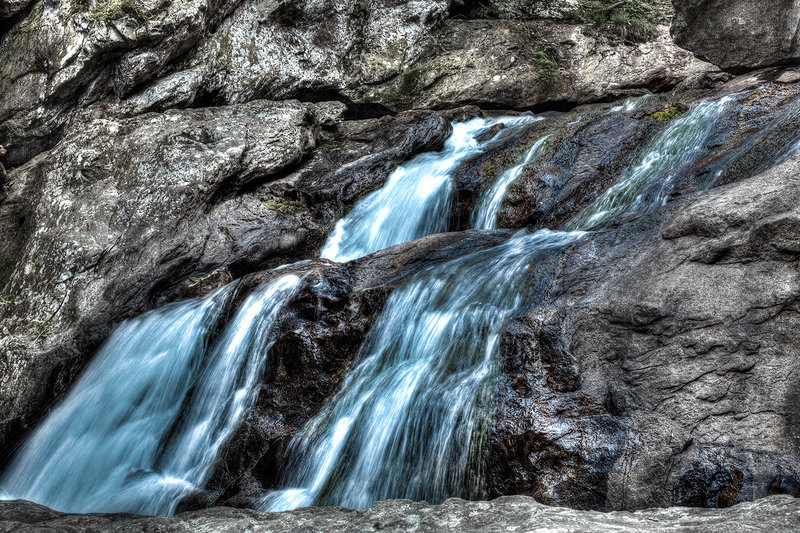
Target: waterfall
142, 426
653, 177
409, 419
405, 421
491, 200
415, 201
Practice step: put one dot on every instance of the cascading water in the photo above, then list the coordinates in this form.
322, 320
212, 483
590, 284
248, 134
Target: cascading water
653, 177
142, 427
412, 414
405, 420
491, 200
415, 201
773, 134
631, 104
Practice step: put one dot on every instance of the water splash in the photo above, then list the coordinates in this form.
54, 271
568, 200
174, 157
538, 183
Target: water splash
406, 419
631, 104
415, 201
491, 200
653, 177
142, 426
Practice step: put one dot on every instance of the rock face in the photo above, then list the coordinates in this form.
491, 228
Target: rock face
491, 63
778, 514
592, 146
126, 212
144, 55
657, 366
739, 35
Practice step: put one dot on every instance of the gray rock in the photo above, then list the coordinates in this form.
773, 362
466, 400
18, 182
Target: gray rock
657, 367
738, 35
777, 513
519, 64
59, 60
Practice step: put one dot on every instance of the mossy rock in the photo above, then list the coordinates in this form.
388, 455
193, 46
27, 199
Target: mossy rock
113, 10
672, 112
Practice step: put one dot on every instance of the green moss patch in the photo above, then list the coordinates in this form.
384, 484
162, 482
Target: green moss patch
673, 111
116, 9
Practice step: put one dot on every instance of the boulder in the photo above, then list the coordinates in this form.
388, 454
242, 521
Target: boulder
738, 35
135, 56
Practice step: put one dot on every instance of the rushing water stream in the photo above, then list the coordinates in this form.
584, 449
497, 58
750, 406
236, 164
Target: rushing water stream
415, 201
410, 416
490, 202
142, 427
145, 423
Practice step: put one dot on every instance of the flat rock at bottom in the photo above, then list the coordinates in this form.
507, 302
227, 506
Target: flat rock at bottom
511, 513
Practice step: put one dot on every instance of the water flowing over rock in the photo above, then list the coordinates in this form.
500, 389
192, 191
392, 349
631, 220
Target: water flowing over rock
271, 254
406, 415
415, 201
485, 213
129, 211
143, 426
739, 34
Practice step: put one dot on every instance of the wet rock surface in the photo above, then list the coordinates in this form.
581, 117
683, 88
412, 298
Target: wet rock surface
657, 366
739, 34
517, 513
592, 146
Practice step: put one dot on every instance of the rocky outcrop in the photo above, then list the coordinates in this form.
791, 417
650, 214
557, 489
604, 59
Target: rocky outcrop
778, 514
738, 35
128, 213
145, 55
657, 367
492, 63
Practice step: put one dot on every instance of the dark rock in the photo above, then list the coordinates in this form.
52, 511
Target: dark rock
680, 324
737, 35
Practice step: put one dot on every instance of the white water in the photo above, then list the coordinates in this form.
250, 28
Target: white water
632, 104
405, 420
415, 201
142, 426
491, 200
652, 178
